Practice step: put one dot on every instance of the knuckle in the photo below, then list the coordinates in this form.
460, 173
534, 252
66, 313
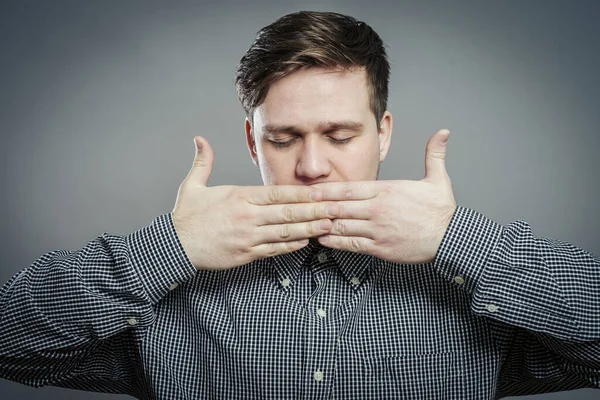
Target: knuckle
379, 210
340, 227
244, 251
288, 213
284, 231
310, 228
244, 237
316, 211
275, 194
347, 191
354, 244
271, 249
233, 192
241, 196
242, 215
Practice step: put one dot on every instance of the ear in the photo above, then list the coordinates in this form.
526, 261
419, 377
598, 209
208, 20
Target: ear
250, 141
385, 135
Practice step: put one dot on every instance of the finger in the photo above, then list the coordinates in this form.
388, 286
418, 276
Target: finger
272, 249
352, 227
352, 243
288, 213
338, 191
435, 156
288, 232
359, 209
283, 194
203, 162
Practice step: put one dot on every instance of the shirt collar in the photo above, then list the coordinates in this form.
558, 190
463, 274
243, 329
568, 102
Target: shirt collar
353, 266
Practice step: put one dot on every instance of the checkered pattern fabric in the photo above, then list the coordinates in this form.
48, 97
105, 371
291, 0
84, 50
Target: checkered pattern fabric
499, 312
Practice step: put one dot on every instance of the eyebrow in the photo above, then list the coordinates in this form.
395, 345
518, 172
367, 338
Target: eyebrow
323, 126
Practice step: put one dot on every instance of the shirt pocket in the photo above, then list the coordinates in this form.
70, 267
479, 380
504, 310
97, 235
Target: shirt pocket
425, 376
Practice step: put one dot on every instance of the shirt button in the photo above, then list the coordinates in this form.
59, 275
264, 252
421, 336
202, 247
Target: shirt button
459, 279
285, 282
132, 321
173, 286
318, 375
321, 313
322, 257
492, 307
355, 281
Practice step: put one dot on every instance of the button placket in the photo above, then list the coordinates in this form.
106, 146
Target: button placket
321, 332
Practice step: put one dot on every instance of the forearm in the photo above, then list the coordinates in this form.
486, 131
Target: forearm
539, 284
57, 311
541, 296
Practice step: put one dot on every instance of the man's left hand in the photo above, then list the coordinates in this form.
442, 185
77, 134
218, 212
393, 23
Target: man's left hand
400, 221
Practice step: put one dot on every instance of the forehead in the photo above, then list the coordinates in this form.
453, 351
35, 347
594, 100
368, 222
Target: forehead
316, 94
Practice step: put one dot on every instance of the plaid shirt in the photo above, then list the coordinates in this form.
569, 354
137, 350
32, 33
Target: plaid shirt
498, 313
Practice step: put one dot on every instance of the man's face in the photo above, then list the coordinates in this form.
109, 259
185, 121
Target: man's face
316, 126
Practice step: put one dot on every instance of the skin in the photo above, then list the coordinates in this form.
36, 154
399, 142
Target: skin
400, 221
315, 186
222, 227
311, 111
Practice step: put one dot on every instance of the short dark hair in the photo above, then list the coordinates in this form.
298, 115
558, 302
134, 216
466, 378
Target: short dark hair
308, 39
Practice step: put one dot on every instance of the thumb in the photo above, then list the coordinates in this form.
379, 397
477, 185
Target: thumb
435, 156
203, 162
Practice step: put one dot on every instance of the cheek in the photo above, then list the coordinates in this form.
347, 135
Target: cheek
359, 163
277, 168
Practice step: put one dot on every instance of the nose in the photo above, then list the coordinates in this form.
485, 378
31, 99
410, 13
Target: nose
313, 162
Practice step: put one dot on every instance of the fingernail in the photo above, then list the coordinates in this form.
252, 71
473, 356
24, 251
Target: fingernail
324, 224
324, 239
445, 139
316, 195
331, 211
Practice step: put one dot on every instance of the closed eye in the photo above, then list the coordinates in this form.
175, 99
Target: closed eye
279, 144
339, 141
288, 143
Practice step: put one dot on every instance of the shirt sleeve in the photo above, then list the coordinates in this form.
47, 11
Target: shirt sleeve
75, 318
541, 297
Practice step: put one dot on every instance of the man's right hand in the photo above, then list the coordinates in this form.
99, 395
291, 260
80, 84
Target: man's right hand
223, 227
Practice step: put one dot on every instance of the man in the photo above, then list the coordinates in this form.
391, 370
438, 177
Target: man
324, 283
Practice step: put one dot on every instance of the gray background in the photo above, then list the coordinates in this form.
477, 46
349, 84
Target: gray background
100, 100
